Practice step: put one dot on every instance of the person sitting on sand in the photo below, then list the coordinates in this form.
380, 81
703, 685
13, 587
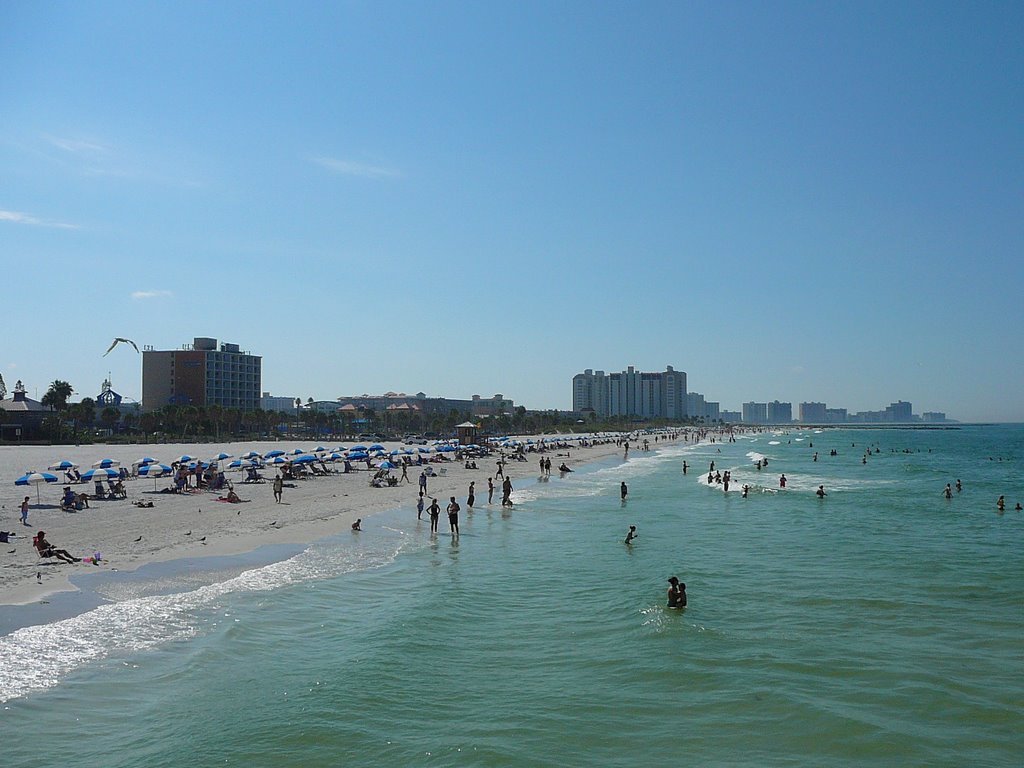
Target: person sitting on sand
231, 498
144, 504
46, 549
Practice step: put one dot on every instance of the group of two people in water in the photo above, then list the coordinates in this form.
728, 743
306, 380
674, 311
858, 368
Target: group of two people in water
676, 589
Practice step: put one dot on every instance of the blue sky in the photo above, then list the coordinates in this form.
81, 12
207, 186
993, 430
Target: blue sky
793, 201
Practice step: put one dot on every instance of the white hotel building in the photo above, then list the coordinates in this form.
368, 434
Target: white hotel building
631, 393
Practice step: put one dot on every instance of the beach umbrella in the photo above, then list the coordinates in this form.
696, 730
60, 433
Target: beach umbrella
277, 460
376, 447
240, 464
221, 457
334, 457
154, 470
106, 464
296, 452
273, 454
446, 448
145, 461
63, 466
305, 459
184, 459
319, 449
424, 449
386, 465
36, 479
100, 474
358, 455
341, 448
359, 447
252, 455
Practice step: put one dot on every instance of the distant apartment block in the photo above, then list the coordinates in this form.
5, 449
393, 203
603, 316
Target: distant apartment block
201, 373
755, 413
631, 393
779, 413
899, 412
934, 417
269, 402
813, 413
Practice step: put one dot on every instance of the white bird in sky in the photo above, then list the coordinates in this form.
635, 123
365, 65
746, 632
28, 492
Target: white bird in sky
117, 341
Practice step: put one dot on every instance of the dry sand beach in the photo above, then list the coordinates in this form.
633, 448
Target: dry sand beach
196, 524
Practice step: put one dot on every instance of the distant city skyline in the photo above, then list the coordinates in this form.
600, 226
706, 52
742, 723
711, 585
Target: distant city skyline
792, 201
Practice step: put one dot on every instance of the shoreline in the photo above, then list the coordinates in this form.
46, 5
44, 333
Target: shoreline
313, 510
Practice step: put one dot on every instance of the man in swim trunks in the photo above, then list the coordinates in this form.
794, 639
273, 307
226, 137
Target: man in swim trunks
623, 490
453, 516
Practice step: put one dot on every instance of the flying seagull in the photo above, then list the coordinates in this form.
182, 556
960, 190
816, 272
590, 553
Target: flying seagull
117, 341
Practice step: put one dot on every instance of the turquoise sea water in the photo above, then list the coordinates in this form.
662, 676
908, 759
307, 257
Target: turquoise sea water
882, 625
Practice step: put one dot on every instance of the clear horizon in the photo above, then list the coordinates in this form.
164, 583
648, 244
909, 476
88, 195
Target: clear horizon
795, 202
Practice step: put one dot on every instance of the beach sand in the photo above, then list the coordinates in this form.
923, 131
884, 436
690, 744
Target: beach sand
315, 508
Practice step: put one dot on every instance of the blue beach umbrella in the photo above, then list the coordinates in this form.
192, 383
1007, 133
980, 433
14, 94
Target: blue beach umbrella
277, 460
106, 464
154, 470
319, 449
296, 452
358, 447
358, 455
36, 479
101, 474
63, 466
273, 454
184, 459
240, 464
145, 461
252, 455
334, 457
304, 459
386, 465
424, 449
376, 447
221, 457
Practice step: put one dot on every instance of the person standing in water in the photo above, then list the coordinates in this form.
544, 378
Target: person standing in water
490, 491
631, 535
472, 494
948, 492
820, 493
676, 593
434, 510
623, 490
453, 516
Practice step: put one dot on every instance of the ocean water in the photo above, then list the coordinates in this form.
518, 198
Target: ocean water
880, 625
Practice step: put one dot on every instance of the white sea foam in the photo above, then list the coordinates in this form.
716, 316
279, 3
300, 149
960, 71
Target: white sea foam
39, 657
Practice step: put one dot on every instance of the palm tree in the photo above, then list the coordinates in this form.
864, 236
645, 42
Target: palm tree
57, 395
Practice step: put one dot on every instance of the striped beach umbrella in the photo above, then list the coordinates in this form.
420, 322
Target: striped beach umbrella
273, 454
184, 459
252, 455
36, 479
239, 464
221, 457
144, 461
106, 464
296, 452
155, 470
101, 473
63, 466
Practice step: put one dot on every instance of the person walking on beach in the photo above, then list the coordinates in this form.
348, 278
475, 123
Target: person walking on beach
434, 510
278, 488
24, 511
500, 464
405, 473
472, 494
423, 481
490, 491
419, 506
623, 490
453, 516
